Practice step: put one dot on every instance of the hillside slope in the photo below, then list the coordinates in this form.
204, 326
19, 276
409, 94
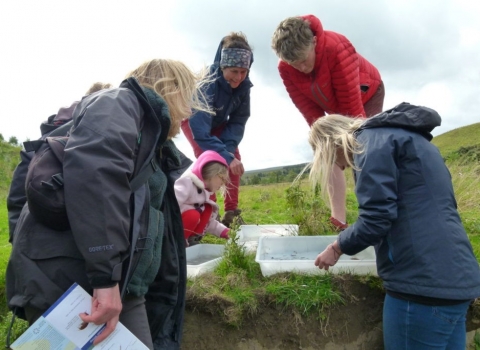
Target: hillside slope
453, 140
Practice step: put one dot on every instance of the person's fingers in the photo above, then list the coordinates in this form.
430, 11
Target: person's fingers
109, 328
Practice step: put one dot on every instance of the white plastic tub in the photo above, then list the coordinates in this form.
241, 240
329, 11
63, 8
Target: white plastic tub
202, 258
298, 254
248, 235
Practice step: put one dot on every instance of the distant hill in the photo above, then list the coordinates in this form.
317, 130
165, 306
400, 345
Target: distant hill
284, 167
453, 140
286, 173
449, 143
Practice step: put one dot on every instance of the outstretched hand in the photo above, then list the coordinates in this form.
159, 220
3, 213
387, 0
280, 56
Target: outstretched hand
106, 308
236, 167
328, 257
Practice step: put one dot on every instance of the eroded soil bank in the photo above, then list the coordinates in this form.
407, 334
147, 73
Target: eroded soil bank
355, 325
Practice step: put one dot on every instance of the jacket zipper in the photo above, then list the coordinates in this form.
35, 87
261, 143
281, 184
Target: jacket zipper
312, 88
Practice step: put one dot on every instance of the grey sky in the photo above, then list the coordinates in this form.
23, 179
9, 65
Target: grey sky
427, 51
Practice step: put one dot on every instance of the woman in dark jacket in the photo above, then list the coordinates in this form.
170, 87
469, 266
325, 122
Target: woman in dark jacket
407, 210
229, 97
115, 135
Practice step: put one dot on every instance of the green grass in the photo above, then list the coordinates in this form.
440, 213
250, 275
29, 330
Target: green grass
453, 140
9, 158
307, 294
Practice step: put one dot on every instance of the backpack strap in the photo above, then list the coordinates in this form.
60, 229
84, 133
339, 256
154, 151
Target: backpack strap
143, 176
62, 130
33, 146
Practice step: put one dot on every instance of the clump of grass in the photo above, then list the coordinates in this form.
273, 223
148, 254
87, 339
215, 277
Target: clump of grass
232, 286
304, 292
374, 282
236, 260
308, 211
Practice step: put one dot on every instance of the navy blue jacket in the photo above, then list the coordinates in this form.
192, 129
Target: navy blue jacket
407, 209
232, 109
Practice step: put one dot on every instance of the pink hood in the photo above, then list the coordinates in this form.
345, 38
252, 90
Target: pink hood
204, 158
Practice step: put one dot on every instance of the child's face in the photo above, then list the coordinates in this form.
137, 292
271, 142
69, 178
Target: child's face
213, 184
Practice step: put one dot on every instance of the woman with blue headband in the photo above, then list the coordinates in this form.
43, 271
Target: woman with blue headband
229, 97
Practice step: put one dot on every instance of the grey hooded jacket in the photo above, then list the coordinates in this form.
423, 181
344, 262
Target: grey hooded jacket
407, 209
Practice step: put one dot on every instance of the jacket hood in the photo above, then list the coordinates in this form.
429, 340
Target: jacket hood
415, 118
204, 158
315, 25
64, 115
317, 30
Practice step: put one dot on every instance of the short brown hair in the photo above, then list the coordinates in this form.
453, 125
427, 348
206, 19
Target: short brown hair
97, 87
292, 38
236, 40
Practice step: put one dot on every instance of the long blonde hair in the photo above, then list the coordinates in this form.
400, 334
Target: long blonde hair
326, 135
181, 89
212, 169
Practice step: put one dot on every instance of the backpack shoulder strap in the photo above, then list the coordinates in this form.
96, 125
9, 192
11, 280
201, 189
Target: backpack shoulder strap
33, 146
62, 130
143, 176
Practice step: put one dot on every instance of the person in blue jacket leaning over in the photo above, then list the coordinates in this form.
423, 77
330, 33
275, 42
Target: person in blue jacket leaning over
408, 212
229, 96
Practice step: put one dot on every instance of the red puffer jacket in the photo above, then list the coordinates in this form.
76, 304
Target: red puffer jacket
342, 80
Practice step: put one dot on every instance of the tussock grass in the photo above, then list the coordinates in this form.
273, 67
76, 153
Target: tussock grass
308, 294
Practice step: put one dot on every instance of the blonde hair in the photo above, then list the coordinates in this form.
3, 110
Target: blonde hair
292, 39
326, 135
181, 89
97, 87
212, 169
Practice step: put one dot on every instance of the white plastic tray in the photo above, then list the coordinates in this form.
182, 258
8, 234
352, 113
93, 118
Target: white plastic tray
202, 258
248, 235
298, 254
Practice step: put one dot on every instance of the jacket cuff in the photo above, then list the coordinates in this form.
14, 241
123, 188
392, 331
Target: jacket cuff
102, 282
227, 156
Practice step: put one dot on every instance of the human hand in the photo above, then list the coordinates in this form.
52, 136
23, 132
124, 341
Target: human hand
328, 257
224, 234
106, 308
236, 167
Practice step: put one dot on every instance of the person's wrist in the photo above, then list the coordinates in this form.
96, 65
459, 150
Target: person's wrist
336, 250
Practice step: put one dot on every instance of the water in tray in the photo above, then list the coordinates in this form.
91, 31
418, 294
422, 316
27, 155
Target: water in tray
294, 255
201, 259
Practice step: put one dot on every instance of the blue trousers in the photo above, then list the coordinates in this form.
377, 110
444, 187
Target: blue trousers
412, 326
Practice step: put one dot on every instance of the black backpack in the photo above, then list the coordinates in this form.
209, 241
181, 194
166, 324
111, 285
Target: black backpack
44, 181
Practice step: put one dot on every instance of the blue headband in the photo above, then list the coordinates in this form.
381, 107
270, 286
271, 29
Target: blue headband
232, 57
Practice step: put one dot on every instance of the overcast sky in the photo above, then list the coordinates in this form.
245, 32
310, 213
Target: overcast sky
427, 52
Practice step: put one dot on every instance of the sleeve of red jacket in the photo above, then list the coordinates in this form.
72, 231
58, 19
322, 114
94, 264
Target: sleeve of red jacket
346, 81
309, 109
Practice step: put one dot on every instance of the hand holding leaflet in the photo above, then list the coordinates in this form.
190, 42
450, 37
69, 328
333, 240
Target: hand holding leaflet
69, 324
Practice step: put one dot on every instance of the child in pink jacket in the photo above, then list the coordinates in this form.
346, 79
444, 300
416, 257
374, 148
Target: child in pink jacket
193, 191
